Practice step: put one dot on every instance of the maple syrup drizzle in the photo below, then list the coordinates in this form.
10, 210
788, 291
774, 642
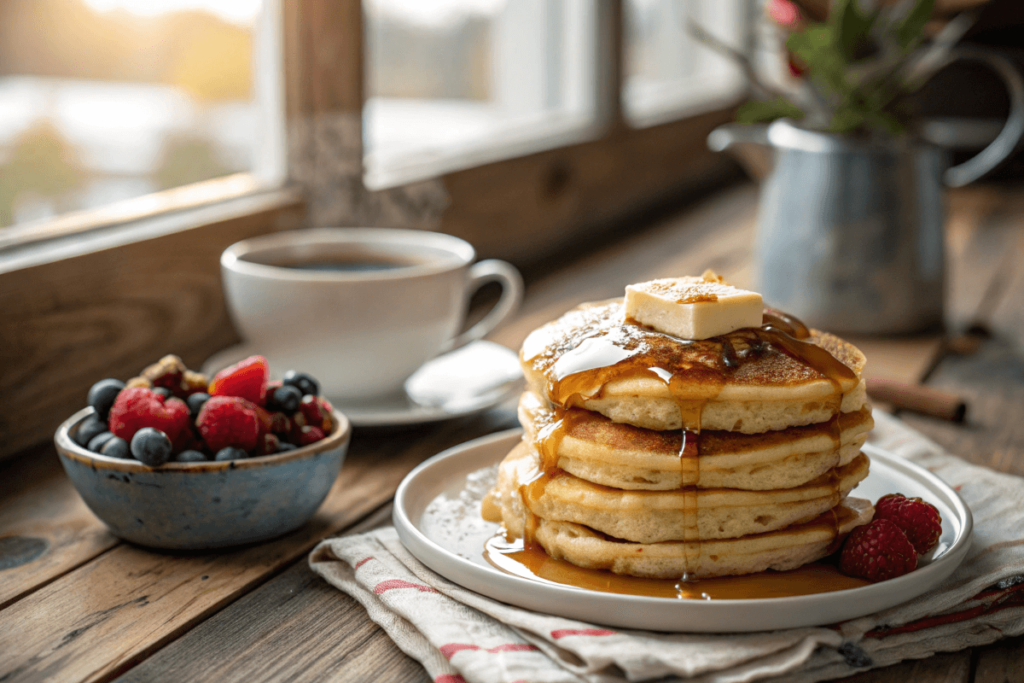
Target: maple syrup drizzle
513, 556
602, 347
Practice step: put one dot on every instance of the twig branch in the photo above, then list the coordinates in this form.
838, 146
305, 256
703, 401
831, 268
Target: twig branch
712, 41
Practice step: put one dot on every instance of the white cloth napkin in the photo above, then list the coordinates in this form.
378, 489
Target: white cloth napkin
459, 635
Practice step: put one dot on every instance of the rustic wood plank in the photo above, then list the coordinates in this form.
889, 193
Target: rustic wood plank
954, 667
128, 210
1001, 662
992, 382
45, 528
99, 620
109, 313
296, 627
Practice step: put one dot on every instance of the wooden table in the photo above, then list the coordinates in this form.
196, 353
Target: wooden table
77, 604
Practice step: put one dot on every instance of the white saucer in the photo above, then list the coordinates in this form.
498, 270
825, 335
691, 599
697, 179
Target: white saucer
464, 382
451, 545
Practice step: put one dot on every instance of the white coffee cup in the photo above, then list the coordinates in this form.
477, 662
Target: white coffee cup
360, 309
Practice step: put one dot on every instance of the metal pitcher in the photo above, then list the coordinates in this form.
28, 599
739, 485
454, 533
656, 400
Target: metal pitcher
850, 232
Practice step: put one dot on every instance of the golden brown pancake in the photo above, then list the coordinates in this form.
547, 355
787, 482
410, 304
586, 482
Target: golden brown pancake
656, 516
750, 380
622, 456
781, 550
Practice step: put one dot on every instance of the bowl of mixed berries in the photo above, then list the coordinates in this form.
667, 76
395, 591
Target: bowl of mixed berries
173, 459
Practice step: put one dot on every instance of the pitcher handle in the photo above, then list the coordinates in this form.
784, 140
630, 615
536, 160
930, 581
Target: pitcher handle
1000, 148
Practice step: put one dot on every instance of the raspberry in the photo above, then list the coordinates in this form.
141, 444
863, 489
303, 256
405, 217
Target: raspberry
268, 445
137, 407
228, 421
280, 424
308, 435
919, 520
310, 407
246, 379
877, 552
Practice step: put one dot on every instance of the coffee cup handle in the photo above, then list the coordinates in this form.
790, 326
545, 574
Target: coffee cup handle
480, 274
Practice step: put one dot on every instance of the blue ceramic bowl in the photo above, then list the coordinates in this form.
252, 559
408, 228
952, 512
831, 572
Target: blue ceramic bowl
195, 506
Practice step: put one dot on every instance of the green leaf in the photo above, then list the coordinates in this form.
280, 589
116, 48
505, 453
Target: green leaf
849, 27
759, 111
816, 47
908, 31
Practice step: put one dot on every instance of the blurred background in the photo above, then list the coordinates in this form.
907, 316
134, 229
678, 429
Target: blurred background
103, 100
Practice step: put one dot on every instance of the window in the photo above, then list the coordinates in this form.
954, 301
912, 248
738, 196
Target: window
105, 100
452, 83
669, 74
504, 123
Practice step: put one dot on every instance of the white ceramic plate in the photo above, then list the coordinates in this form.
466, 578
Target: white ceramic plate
451, 544
465, 382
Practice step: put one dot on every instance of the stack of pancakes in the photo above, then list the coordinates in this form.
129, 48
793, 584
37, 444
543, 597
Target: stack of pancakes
659, 457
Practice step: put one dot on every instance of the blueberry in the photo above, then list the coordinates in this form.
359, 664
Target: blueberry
190, 456
90, 428
302, 382
162, 391
151, 447
196, 402
116, 448
287, 398
97, 442
285, 446
230, 453
102, 396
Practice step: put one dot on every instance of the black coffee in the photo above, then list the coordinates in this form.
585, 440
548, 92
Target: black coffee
355, 265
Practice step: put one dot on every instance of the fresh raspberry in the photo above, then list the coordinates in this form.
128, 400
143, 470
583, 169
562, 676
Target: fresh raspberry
308, 435
313, 411
328, 423
246, 379
919, 520
877, 552
228, 421
138, 407
280, 424
268, 444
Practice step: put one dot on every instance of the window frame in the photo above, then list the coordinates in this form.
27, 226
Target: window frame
117, 287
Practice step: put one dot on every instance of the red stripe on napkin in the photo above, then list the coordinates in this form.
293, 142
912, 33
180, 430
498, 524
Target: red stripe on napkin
361, 562
450, 678
387, 585
450, 649
513, 647
563, 632
992, 601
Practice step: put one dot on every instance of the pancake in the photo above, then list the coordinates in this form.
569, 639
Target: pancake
622, 456
751, 381
782, 550
656, 516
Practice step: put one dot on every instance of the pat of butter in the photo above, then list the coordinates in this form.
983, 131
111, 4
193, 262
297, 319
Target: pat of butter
693, 307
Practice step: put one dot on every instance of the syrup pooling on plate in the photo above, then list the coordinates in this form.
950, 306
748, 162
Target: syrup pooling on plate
515, 557
595, 346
